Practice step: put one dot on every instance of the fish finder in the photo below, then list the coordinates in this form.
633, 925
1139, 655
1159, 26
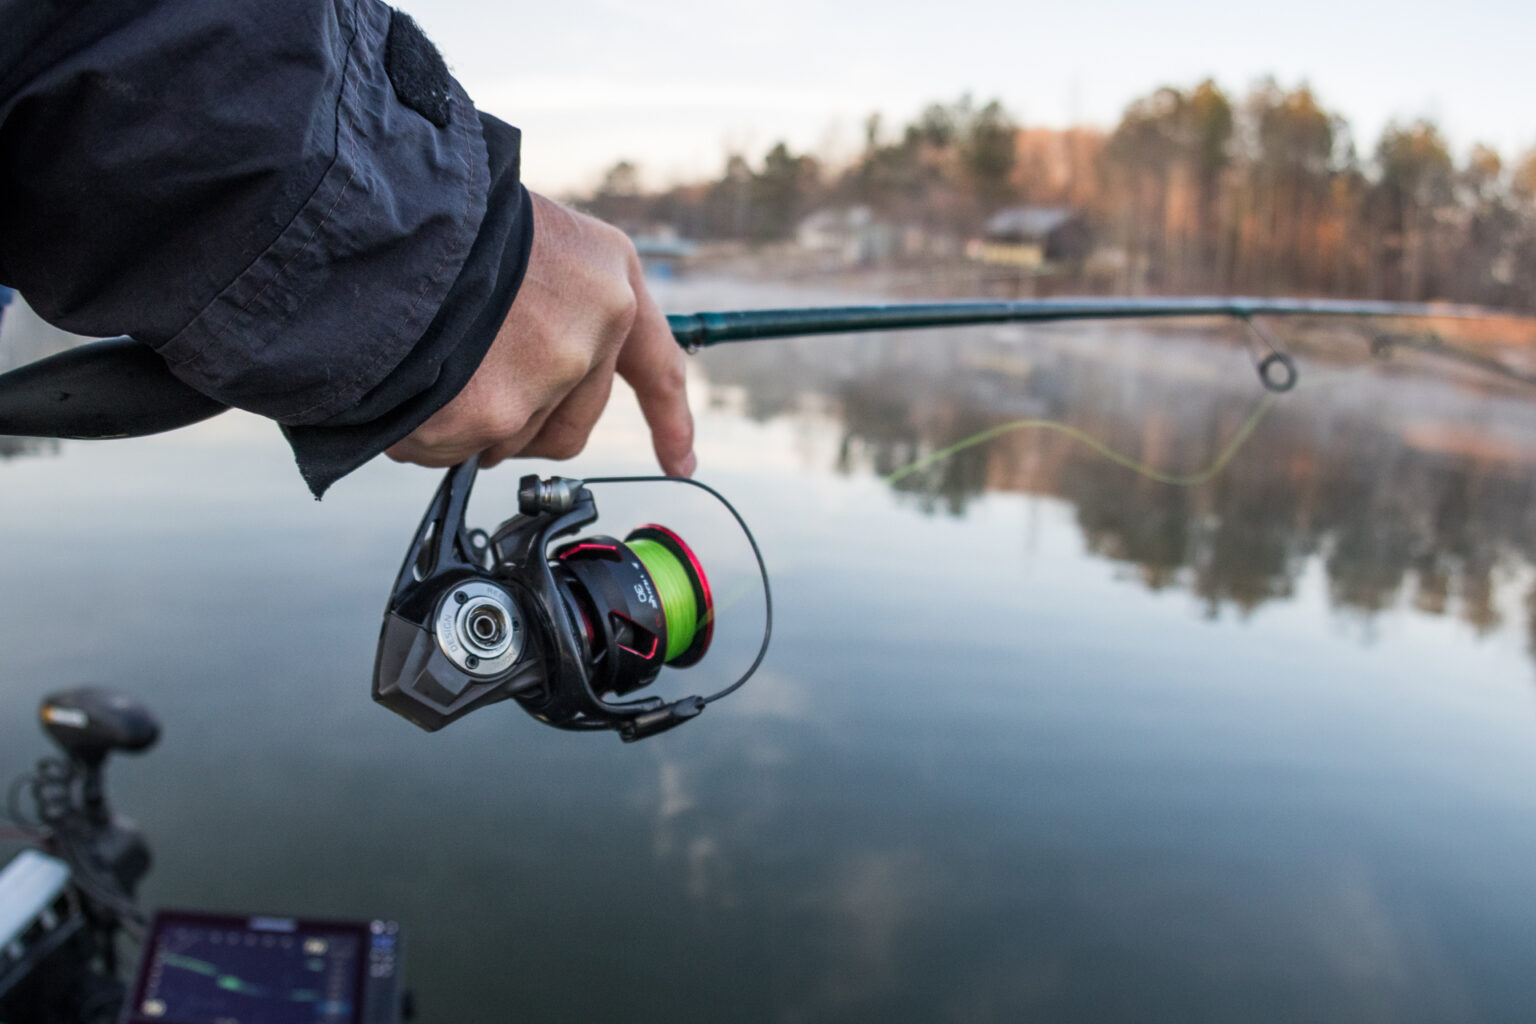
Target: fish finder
223, 969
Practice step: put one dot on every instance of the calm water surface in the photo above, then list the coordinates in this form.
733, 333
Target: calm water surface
1039, 737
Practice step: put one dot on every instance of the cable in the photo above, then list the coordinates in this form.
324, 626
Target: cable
13, 812
53, 791
58, 824
103, 890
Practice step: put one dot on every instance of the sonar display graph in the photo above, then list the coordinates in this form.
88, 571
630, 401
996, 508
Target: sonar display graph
239, 973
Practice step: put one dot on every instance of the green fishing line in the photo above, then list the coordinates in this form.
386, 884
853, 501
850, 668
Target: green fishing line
1227, 453
1223, 458
675, 589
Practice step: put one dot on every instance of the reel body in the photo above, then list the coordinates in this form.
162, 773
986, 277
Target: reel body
475, 619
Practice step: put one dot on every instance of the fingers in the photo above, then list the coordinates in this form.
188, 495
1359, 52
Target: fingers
563, 432
514, 445
474, 422
582, 313
653, 364
439, 456
483, 419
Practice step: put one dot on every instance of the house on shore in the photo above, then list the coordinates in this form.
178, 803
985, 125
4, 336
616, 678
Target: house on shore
1033, 238
848, 236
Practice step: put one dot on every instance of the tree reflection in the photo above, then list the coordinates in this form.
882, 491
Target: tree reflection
1412, 489
15, 447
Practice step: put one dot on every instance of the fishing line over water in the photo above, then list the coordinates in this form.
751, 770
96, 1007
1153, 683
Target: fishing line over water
1210, 472
1264, 354
1228, 451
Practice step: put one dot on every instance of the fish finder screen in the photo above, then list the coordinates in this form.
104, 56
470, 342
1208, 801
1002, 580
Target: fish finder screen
250, 971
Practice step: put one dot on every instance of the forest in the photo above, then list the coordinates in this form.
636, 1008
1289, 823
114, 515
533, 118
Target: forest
1194, 191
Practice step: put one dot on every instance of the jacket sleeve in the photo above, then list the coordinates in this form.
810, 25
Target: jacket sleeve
290, 200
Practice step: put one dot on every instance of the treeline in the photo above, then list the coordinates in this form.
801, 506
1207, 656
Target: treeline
1193, 191
945, 171
1271, 194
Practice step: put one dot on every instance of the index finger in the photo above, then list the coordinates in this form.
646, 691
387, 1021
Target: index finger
654, 366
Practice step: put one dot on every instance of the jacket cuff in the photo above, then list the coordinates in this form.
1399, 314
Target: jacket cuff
365, 265
451, 347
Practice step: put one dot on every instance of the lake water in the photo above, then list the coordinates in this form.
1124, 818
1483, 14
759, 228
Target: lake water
1039, 736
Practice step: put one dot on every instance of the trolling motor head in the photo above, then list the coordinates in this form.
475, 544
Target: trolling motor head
474, 618
89, 722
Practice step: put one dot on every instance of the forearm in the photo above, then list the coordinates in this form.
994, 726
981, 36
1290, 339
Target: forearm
451, 347
244, 187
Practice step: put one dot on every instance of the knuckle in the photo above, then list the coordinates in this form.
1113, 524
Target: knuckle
669, 380
570, 365
499, 421
503, 422
675, 376
624, 309
429, 436
443, 428
564, 440
620, 241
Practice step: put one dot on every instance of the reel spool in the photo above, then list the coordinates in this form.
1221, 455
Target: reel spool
642, 602
474, 618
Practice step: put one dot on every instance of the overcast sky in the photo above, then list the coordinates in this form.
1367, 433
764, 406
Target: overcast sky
674, 84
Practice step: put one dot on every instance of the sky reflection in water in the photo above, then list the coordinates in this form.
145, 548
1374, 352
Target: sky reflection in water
1038, 737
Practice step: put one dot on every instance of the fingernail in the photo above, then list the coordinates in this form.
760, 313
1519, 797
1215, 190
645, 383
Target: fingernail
690, 464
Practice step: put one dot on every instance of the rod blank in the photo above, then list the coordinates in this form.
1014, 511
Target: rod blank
701, 330
119, 388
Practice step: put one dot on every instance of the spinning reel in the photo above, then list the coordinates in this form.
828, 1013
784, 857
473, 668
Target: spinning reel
474, 618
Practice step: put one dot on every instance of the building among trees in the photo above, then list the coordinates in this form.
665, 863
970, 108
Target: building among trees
1194, 191
1033, 237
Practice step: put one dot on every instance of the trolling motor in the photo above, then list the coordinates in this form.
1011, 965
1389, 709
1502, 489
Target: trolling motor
88, 723
61, 907
474, 619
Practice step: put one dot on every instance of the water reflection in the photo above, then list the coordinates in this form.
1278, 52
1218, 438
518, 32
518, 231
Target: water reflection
14, 447
997, 766
1405, 479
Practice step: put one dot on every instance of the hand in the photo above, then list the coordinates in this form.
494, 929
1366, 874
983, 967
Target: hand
583, 312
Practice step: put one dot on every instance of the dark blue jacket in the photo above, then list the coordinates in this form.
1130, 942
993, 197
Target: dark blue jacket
290, 200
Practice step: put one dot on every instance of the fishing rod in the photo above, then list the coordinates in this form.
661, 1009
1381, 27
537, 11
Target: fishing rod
121, 388
701, 330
